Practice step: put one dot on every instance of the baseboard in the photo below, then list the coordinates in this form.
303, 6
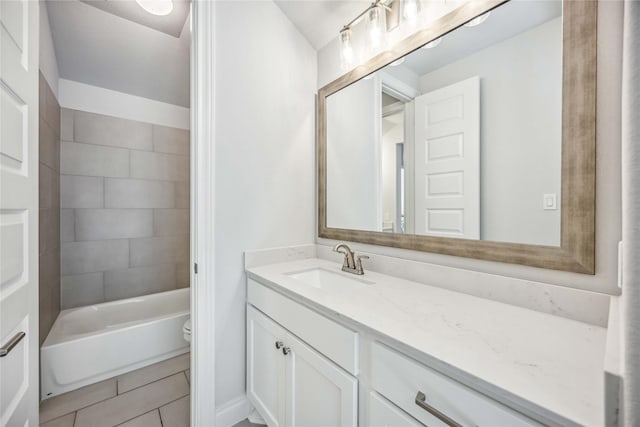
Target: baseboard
232, 412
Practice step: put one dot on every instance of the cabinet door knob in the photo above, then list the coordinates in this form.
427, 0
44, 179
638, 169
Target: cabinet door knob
279, 345
286, 350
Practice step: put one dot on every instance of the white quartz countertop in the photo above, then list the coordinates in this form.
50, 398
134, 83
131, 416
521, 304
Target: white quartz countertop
547, 365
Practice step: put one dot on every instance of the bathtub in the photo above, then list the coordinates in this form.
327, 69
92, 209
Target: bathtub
96, 342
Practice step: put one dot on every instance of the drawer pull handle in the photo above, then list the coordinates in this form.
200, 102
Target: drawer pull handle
5, 349
421, 402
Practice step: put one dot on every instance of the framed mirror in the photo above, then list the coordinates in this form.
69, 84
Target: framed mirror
474, 137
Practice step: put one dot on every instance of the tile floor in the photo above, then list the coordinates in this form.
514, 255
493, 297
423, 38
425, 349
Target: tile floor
154, 396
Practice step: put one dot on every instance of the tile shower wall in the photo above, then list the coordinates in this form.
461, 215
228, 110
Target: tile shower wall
49, 195
124, 195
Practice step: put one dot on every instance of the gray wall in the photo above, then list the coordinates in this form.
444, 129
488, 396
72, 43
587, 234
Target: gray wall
124, 197
49, 195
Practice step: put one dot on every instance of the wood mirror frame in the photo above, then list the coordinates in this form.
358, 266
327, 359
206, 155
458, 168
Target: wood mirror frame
576, 252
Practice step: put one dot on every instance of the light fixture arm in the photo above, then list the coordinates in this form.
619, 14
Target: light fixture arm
354, 21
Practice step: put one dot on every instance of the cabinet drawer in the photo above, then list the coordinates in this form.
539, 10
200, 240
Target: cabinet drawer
328, 337
385, 414
400, 379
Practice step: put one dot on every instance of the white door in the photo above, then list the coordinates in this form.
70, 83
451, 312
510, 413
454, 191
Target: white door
319, 393
447, 161
265, 367
19, 212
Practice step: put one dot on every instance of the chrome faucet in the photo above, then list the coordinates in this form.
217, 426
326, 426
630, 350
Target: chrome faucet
352, 263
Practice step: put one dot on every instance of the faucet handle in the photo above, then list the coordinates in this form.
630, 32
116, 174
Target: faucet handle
359, 258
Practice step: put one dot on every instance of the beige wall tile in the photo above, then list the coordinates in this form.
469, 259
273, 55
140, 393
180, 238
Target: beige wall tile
183, 273
64, 421
170, 222
104, 224
129, 405
149, 374
182, 195
67, 218
66, 124
159, 166
49, 146
176, 414
150, 419
81, 289
170, 140
133, 282
135, 193
113, 131
81, 191
69, 402
93, 160
93, 256
46, 188
157, 250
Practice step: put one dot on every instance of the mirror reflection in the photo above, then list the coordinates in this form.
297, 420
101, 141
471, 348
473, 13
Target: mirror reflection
461, 138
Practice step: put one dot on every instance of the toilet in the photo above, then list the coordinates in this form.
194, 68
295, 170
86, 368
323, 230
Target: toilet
186, 330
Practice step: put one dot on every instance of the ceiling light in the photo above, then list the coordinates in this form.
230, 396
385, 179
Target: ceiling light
477, 20
397, 62
156, 7
377, 24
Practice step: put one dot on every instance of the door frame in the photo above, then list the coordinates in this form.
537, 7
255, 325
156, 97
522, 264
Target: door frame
203, 408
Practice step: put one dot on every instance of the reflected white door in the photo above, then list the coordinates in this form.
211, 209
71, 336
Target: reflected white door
19, 212
447, 161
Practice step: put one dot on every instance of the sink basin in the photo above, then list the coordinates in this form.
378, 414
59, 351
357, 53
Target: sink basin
328, 280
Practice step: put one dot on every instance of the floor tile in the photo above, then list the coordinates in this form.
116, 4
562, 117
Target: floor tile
152, 373
150, 419
63, 404
129, 405
64, 421
176, 414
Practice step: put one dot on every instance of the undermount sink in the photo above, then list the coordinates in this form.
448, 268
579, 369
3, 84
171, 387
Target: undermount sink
328, 280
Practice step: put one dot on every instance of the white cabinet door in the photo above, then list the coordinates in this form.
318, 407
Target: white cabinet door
19, 212
265, 367
447, 161
319, 393
385, 414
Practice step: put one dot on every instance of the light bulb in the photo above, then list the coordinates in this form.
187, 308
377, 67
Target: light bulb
410, 10
346, 49
156, 7
376, 25
477, 20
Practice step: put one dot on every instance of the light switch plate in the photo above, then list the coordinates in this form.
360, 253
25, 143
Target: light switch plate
549, 202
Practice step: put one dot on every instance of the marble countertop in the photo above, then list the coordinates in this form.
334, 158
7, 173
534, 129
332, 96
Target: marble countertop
542, 364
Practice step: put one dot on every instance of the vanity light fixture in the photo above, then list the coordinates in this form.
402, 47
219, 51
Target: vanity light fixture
156, 7
410, 10
346, 49
381, 17
478, 20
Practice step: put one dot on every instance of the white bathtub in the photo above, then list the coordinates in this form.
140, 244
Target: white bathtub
96, 342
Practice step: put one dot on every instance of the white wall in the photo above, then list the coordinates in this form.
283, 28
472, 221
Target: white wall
392, 134
520, 132
93, 99
608, 200
265, 169
48, 61
353, 157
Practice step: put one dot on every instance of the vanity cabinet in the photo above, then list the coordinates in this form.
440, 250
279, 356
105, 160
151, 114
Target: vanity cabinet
304, 369
290, 383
